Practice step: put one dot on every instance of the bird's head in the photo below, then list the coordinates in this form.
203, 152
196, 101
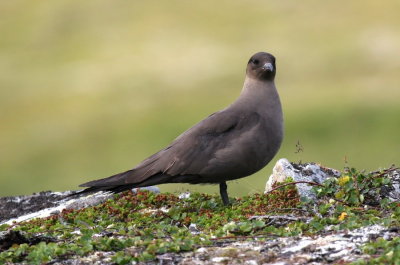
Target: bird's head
261, 66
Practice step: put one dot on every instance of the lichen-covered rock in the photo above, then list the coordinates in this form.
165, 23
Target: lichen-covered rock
46, 203
10, 238
391, 191
309, 172
16, 206
334, 247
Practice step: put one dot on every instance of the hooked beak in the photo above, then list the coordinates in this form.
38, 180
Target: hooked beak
268, 67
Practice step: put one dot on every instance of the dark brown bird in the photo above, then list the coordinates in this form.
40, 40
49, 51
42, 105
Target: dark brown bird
229, 144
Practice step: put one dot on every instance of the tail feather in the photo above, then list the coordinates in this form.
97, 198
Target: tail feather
115, 185
106, 184
112, 189
114, 180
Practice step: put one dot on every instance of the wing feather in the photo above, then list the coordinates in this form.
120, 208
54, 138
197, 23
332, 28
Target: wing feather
191, 153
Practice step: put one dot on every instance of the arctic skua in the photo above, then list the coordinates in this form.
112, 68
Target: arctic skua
229, 144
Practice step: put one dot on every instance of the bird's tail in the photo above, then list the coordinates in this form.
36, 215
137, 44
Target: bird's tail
115, 183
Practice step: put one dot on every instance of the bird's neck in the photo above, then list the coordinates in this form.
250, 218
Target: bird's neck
262, 97
257, 92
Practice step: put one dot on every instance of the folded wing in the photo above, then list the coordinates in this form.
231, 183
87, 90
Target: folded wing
205, 150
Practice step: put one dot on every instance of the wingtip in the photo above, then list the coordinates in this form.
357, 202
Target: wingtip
93, 183
84, 185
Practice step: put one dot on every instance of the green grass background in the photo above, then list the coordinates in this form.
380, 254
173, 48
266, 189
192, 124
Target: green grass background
90, 88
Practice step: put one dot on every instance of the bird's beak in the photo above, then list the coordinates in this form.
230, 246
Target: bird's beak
268, 67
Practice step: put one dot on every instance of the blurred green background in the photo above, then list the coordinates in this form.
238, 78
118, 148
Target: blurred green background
90, 88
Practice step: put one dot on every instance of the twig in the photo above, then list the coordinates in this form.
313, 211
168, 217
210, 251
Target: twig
243, 237
393, 166
342, 202
386, 171
278, 217
305, 182
381, 173
288, 209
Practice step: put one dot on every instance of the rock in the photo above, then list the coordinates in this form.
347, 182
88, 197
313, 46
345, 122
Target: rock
153, 189
309, 172
184, 195
193, 229
16, 206
11, 237
220, 259
391, 191
337, 247
44, 204
312, 172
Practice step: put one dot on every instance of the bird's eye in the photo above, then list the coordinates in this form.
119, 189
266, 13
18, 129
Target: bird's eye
256, 61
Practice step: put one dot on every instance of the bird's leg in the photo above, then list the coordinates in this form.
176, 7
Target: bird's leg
224, 193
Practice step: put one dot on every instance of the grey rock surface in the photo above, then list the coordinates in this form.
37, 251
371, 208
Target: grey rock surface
337, 247
315, 173
43, 204
333, 247
16, 206
309, 172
